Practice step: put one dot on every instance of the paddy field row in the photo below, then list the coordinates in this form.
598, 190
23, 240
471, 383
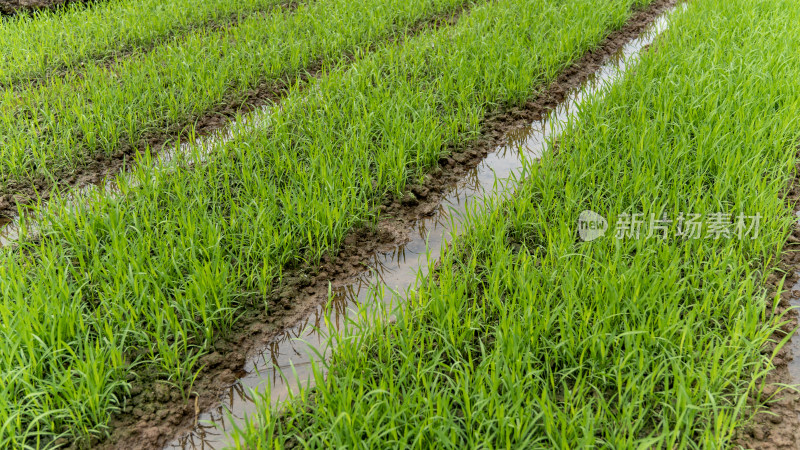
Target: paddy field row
134, 288
530, 333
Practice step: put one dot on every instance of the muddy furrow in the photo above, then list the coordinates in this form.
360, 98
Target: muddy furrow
389, 254
156, 410
240, 110
777, 427
12, 7
113, 57
268, 92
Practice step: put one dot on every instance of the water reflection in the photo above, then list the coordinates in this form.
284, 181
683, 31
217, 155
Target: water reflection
291, 353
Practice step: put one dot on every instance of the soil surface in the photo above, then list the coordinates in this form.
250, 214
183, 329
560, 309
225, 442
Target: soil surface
155, 412
777, 427
19, 6
102, 166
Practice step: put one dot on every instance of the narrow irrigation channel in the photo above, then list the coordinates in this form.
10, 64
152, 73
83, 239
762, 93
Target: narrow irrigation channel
237, 114
791, 297
7, 233
286, 361
793, 366
165, 160
778, 425
158, 133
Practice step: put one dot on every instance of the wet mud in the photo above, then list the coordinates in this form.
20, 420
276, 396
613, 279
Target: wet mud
10, 7
5, 228
777, 427
155, 410
268, 92
156, 415
391, 252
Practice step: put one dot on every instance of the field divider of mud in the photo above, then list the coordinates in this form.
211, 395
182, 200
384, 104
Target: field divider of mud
412, 229
238, 113
21, 7
776, 423
78, 130
147, 291
552, 322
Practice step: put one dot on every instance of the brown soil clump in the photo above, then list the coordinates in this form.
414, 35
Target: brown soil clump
9, 7
777, 427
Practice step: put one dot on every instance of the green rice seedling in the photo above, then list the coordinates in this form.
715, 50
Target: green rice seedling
53, 128
49, 41
166, 264
529, 337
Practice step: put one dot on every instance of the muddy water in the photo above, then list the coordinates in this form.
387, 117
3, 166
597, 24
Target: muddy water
286, 362
794, 344
5, 228
10, 226
196, 151
7, 231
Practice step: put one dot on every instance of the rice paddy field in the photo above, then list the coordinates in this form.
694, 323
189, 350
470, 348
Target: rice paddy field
183, 182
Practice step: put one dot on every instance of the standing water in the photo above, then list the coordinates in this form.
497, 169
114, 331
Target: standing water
286, 363
197, 150
4, 229
794, 344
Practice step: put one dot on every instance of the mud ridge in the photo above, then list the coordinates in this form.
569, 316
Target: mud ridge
155, 412
13, 7
267, 92
112, 58
777, 426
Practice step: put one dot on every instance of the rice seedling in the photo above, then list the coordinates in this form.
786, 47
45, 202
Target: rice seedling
49, 130
530, 337
38, 44
137, 284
